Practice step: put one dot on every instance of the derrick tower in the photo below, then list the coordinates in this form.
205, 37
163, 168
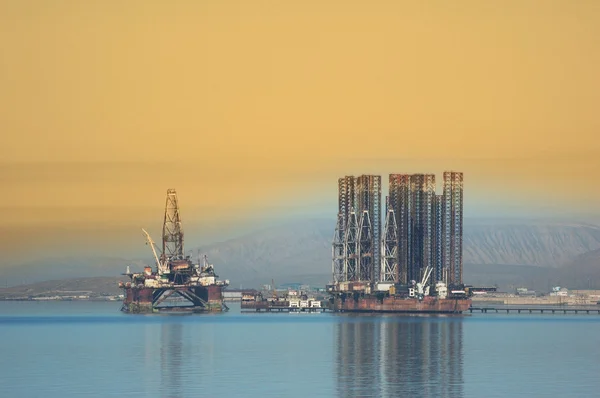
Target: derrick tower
356, 247
172, 248
453, 226
366, 248
400, 202
412, 197
338, 250
368, 204
346, 233
423, 203
389, 247
351, 249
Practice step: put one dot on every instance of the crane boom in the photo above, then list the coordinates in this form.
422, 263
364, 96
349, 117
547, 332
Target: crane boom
149, 241
428, 271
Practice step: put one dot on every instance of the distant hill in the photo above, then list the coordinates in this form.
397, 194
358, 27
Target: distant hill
527, 242
583, 271
304, 249
284, 252
58, 268
301, 251
75, 286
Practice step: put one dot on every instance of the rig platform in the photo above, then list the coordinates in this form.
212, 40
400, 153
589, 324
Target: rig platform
387, 297
394, 304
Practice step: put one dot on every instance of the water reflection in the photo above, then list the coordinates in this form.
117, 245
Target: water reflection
171, 359
389, 356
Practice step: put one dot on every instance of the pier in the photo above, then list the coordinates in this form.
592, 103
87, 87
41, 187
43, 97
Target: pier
284, 309
512, 309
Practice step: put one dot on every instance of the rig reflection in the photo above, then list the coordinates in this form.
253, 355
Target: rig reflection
392, 356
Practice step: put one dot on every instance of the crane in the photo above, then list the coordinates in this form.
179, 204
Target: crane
160, 268
422, 288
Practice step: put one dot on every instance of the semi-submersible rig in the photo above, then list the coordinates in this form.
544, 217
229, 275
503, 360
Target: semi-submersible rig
175, 274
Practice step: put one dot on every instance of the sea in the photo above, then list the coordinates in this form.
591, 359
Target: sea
91, 349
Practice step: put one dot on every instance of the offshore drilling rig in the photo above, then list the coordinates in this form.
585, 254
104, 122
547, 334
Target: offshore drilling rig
416, 265
175, 274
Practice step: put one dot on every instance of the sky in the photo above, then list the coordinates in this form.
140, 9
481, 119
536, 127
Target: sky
253, 109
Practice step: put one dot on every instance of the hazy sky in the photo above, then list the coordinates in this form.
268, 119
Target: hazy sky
244, 105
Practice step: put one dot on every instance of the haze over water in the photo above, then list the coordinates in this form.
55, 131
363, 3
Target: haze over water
91, 349
252, 110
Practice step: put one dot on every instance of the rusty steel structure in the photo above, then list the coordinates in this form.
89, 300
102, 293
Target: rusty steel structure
427, 229
428, 304
400, 203
172, 232
175, 275
346, 198
351, 256
412, 200
438, 250
429, 225
419, 256
422, 191
389, 247
368, 204
338, 261
356, 248
453, 226
366, 248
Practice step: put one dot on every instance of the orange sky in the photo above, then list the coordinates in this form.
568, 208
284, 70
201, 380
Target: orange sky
243, 104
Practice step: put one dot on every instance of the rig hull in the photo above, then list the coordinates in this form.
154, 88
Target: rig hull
145, 300
428, 305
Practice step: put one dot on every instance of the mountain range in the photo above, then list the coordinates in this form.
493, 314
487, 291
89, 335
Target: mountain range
503, 251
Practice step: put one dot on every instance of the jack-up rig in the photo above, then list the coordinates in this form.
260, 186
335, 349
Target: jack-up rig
416, 265
175, 275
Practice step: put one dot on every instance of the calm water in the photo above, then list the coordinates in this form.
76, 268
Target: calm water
79, 349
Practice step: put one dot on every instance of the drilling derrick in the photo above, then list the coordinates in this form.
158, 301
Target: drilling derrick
438, 251
338, 250
351, 249
172, 230
346, 266
346, 198
389, 264
412, 196
421, 236
400, 202
368, 198
356, 246
365, 248
453, 226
